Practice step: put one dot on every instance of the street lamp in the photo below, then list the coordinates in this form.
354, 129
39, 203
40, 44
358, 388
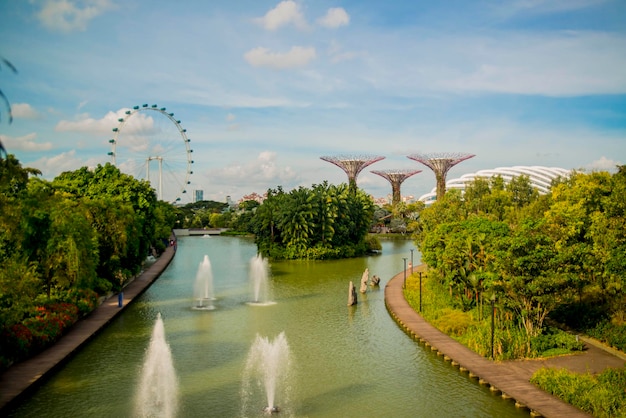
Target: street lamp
411, 261
493, 319
420, 292
404, 285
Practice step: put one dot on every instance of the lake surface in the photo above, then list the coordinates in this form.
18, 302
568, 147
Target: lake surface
346, 361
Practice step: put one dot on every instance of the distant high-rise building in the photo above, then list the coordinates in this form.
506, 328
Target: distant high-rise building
199, 195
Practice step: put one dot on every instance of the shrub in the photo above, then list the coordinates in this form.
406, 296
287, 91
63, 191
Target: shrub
49, 323
601, 396
612, 334
553, 341
102, 286
373, 243
453, 322
85, 300
16, 341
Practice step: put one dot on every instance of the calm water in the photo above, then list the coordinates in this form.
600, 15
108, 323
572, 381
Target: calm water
347, 361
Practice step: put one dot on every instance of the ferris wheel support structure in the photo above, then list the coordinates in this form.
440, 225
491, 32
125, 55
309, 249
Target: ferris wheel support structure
160, 160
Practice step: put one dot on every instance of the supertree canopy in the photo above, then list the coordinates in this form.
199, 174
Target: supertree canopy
396, 177
440, 163
352, 165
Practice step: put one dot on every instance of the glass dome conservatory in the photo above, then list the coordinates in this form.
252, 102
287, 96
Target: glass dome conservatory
540, 178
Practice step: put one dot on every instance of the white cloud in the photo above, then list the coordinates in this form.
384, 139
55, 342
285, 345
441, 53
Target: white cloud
603, 164
261, 173
296, 57
71, 15
334, 18
285, 13
24, 111
56, 164
85, 123
24, 143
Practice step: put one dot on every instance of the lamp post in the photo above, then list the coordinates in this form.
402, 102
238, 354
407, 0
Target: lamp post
411, 261
404, 285
493, 319
420, 292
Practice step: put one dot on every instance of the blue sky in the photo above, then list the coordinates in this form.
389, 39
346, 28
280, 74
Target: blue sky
265, 88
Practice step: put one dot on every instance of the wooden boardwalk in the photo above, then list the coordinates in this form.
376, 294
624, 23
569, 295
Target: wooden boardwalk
506, 379
21, 378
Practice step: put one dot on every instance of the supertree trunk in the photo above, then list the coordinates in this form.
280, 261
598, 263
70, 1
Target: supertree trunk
440, 163
396, 178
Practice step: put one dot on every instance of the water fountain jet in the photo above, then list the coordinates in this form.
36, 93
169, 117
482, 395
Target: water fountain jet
269, 365
157, 393
259, 281
203, 287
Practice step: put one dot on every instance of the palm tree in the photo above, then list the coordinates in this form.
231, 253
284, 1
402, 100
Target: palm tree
296, 220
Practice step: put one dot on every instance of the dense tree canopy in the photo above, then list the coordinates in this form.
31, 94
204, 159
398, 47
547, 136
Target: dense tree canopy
70, 240
534, 253
326, 221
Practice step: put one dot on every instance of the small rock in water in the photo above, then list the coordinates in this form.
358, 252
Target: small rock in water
364, 280
352, 300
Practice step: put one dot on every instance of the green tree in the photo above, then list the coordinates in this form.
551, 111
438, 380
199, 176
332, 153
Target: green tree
19, 289
297, 220
14, 177
323, 222
71, 251
326, 200
265, 221
531, 281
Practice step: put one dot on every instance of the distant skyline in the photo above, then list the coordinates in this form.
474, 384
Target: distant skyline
265, 88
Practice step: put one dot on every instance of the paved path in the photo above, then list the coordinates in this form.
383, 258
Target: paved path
510, 378
20, 378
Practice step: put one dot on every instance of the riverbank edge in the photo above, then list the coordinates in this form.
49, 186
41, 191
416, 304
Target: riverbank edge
502, 379
24, 377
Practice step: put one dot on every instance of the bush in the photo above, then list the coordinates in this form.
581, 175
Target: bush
612, 334
453, 322
601, 396
553, 341
373, 243
85, 300
49, 323
102, 286
16, 341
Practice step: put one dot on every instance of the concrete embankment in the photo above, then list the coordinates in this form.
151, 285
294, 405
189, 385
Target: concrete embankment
21, 378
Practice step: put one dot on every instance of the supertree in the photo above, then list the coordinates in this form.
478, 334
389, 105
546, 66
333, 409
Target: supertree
352, 165
440, 163
396, 177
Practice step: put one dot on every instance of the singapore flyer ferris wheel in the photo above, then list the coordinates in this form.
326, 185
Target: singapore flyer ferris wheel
149, 143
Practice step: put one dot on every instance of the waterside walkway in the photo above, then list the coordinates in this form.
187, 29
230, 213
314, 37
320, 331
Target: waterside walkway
21, 377
508, 379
